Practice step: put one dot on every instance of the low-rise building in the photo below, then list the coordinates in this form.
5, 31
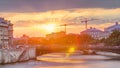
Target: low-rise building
98, 34
110, 29
95, 33
55, 35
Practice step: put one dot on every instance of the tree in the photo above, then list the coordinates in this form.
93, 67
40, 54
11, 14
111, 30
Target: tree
86, 39
113, 39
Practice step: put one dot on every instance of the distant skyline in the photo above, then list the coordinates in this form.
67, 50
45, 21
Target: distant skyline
28, 15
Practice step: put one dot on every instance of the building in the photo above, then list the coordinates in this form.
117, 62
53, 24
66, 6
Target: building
6, 33
95, 33
98, 34
110, 29
56, 35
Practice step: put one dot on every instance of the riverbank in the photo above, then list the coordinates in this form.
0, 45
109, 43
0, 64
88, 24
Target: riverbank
74, 61
16, 55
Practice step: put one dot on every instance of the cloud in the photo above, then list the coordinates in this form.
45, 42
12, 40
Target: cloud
63, 16
28, 23
104, 15
27, 20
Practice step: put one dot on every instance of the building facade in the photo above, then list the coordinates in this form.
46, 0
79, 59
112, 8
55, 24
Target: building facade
110, 29
95, 33
6, 33
98, 34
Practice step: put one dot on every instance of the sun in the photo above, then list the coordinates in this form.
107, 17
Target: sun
49, 27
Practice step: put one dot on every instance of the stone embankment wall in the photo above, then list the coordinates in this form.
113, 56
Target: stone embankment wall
16, 55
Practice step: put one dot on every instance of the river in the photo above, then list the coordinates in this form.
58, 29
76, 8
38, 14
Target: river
75, 61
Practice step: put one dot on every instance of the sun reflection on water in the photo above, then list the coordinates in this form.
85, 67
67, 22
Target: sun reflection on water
70, 51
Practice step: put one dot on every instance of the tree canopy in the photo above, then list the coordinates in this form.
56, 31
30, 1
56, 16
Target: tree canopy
113, 39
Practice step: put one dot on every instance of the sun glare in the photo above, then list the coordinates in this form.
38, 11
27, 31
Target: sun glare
71, 50
49, 27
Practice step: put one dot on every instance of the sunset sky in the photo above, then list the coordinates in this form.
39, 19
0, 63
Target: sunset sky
41, 17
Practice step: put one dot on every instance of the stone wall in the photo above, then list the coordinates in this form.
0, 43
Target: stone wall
15, 55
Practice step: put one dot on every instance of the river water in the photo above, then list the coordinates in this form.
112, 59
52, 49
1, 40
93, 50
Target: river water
74, 61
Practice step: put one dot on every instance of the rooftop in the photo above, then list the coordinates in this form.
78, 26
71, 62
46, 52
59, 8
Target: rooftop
113, 26
91, 30
4, 22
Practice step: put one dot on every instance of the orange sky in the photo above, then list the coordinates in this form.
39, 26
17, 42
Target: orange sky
30, 23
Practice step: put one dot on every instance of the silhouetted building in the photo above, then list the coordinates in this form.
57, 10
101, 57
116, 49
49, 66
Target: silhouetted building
56, 35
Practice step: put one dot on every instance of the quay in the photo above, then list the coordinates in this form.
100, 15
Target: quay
17, 55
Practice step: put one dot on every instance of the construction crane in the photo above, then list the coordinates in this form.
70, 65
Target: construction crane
65, 17
86, 20
81, 19
65, 26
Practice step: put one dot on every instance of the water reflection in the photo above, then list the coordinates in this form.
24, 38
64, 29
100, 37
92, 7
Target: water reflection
74, 61
73, 58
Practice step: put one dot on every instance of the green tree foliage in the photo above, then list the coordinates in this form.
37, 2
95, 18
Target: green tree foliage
113, 39
86, 39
